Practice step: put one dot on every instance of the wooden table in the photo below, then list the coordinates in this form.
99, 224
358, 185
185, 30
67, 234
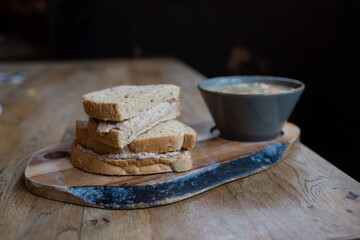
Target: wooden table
302, 197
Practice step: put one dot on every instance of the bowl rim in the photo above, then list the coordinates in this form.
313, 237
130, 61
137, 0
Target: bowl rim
261, 78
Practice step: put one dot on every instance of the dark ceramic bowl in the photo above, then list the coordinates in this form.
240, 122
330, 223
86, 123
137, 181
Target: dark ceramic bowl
251, 117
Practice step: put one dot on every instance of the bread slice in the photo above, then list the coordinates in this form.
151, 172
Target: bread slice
127, 101
90, 161
82, 137
167, 136
120, 138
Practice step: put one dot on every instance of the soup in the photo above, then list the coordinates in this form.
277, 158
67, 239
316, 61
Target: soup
250, 88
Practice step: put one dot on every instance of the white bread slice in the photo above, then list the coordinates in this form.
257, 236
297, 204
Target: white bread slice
167, 136
90, 161
120, 138
127, 101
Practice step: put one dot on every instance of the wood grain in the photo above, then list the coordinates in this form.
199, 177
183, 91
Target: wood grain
302, 197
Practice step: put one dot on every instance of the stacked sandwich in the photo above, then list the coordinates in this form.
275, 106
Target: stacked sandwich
132, 131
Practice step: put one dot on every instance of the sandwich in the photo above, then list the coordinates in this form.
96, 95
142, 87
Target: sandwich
167, 136
118, 115
123, 137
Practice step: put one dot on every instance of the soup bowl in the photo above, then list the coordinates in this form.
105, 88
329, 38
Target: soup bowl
249, 116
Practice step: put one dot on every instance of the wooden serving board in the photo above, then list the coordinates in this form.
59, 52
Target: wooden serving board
49, 173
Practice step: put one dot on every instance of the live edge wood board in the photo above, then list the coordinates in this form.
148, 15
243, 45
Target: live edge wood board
49, 173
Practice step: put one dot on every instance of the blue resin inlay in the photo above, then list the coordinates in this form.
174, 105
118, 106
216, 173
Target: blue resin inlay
179, 188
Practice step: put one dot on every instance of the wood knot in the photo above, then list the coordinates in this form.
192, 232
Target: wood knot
352, 196
93, 222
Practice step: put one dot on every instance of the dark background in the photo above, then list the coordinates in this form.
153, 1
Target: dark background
316, 42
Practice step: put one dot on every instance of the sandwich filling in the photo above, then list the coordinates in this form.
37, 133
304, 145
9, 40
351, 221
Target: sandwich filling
119, 156
144, 120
